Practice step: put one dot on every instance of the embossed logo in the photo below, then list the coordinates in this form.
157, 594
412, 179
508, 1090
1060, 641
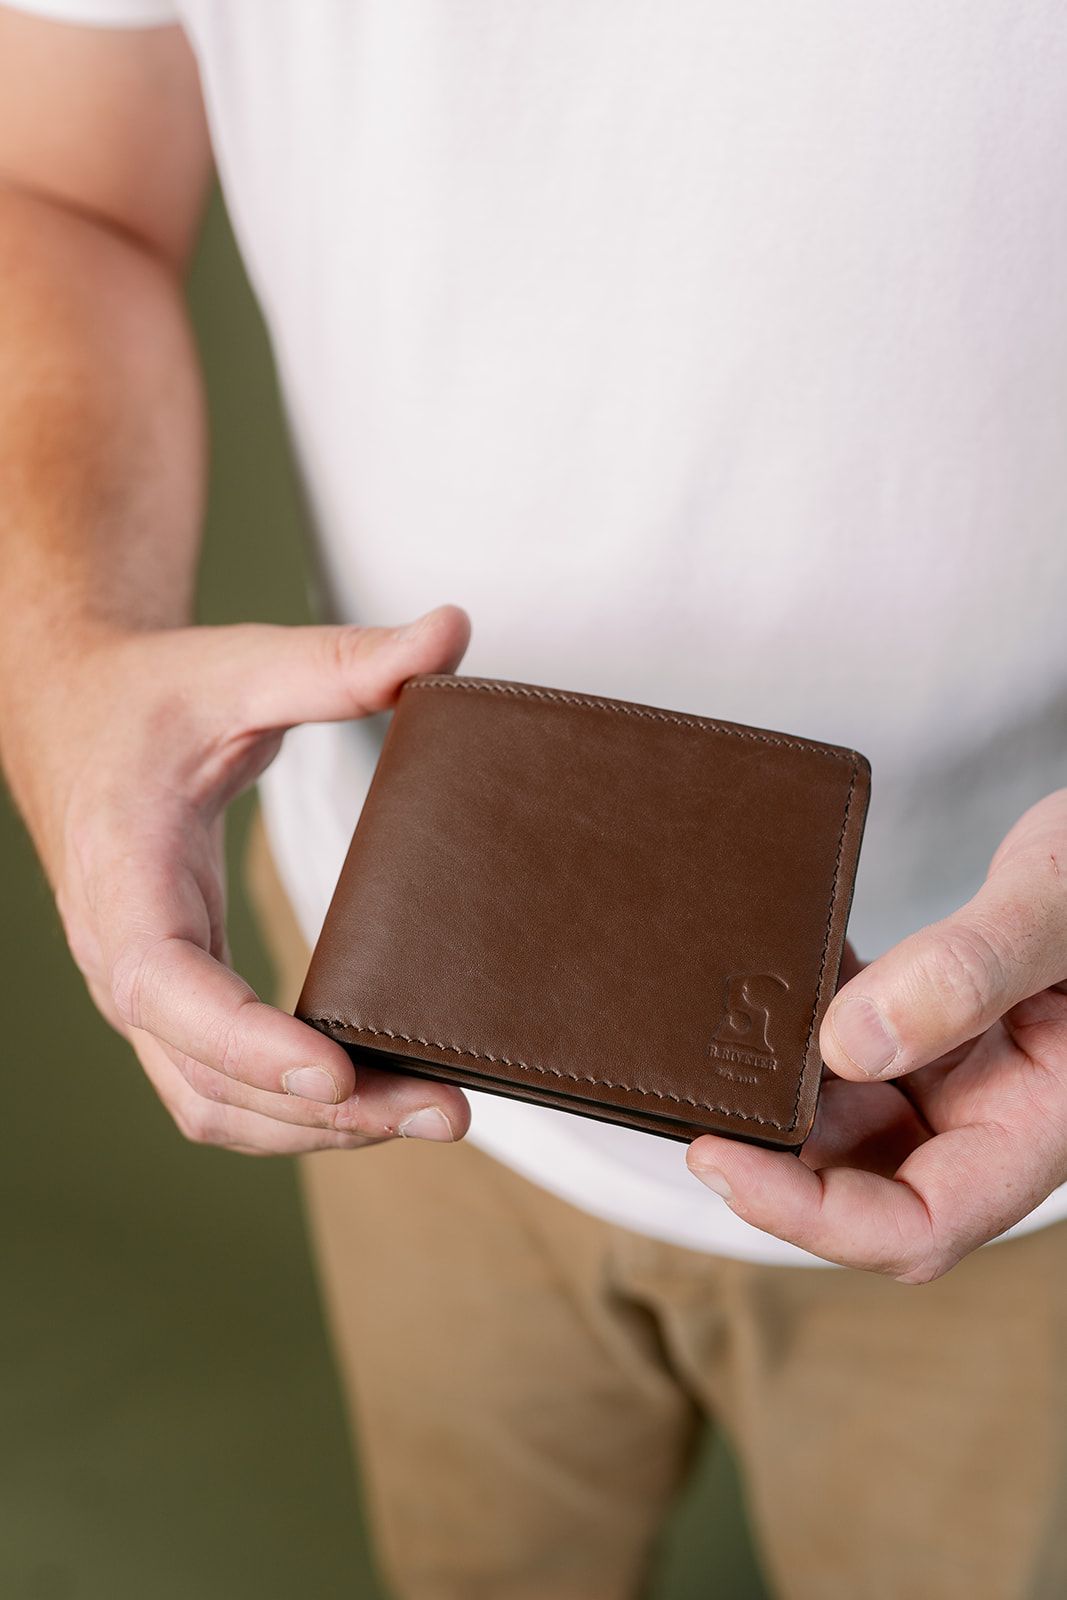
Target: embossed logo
743, 1036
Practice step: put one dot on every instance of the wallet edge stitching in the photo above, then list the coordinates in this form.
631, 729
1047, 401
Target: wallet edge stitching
530, 1066
701, 724
627, 1088
626, 709
825, 946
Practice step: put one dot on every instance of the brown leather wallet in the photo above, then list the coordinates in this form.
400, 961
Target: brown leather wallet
623, 912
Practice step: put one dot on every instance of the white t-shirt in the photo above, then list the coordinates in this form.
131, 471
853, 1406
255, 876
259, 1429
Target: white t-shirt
713, 356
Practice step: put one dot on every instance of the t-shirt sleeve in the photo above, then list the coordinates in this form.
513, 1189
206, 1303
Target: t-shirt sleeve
102, 13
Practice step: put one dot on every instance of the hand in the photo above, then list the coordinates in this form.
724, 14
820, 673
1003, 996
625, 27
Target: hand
142, 747
946, 1122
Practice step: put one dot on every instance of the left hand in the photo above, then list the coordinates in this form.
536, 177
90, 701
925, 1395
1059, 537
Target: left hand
951, 1122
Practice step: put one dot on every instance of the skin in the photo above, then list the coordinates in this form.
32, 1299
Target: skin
125, 731
958, 1126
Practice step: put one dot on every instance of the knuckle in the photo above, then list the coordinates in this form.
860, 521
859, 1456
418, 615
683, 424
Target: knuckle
965, 965
209, 1085
127, 980
310, 1114
232, 1052
323, 1117
927, 1268
198, 1123
343, 645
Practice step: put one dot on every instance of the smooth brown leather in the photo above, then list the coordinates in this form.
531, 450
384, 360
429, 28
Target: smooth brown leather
628, 913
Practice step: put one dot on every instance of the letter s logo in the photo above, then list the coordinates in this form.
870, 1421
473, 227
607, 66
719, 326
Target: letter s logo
747, 1014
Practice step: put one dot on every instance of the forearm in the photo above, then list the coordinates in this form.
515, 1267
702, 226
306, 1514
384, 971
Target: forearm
124, 734
102, 462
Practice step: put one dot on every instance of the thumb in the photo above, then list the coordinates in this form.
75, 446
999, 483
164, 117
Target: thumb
953, 980
281, 676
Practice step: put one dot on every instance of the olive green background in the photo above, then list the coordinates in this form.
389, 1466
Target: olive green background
169, 1417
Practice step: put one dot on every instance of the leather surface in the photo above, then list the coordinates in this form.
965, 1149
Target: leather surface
626, 912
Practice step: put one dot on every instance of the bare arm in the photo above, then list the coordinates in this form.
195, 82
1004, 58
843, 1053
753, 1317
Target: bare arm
101, 411
124, 731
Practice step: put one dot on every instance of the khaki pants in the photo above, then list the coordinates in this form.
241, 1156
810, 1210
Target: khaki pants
526, 1384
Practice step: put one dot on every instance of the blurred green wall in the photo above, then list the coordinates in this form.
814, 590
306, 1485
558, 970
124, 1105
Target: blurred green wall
169, 1420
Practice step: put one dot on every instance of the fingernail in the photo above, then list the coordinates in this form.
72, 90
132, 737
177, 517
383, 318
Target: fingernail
311, 1083
429, 1123
864, 1035
715, 1180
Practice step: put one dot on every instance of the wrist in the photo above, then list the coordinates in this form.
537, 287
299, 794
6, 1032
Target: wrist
58, 686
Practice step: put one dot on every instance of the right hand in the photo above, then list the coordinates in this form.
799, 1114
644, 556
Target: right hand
123, 771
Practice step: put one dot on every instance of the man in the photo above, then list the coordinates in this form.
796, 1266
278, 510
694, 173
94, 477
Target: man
712, 355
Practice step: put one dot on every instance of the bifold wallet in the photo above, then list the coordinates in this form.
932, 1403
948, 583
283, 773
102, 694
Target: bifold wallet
624, 912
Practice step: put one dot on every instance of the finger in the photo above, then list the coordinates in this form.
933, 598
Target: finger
873, 1126
203, 1121
276, 677
163, 982
169, 987
384, 1105
951, 981
951, 1194
854, 1218
211, 1017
